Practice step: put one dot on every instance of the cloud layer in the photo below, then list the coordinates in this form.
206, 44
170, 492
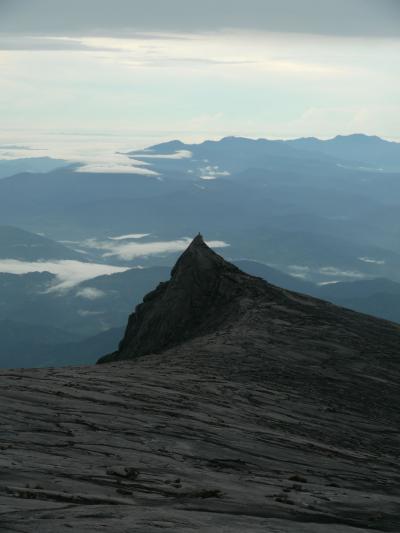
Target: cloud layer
68, 273
133, 249
342, 17
260, 68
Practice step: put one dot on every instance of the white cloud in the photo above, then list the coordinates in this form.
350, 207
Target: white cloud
68, 273
109, 167
84, 312
130, 236
45, 44
371, 260
333, 271
90, 293
291, 84
133, 250
212, 172
305, 272
180, 154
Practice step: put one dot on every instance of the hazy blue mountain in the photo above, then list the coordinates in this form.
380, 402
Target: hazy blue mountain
382, 305
86, 351
85, 310
10, 167
41, 328
25, 345
228, 155
66, 204
16, 243
276, 277
32, 345
237, 153
270, 200
368, 151
377, 297
316, 256
359, 289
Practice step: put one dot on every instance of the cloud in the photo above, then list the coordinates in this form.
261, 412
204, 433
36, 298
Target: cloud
68, 273
133, 250
90, 293
85, 313
180, 154
108, 167
102, 17
333, 271
212, 172
16, 147
257, 69
371, 260
306, 272
113, 163
130, 236
44, 44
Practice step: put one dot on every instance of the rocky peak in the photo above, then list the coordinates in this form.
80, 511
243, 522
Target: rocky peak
204, 290
199, 260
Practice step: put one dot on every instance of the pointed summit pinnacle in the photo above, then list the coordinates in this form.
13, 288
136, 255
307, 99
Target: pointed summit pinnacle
198, 240
203, 290
198, 256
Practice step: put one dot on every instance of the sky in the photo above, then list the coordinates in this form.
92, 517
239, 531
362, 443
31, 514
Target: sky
192, 70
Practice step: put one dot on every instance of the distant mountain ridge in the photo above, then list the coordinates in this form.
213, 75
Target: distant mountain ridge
360, 149
10, 167
16, 243
232, 187
370, 150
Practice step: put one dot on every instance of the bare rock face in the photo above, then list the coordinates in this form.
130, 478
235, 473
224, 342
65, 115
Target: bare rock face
204, 292
263, 410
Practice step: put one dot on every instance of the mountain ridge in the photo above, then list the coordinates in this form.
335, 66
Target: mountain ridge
201, 283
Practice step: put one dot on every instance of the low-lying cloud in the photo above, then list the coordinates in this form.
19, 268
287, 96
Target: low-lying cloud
306, 272
44, 44
132, 250
68, 273
212, 172
108, 167
180, 154
90, 293
130, 236
371, 260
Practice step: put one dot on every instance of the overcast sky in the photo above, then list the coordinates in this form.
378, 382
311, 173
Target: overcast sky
195, 69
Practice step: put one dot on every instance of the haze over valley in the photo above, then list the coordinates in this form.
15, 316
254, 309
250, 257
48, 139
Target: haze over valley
311, 215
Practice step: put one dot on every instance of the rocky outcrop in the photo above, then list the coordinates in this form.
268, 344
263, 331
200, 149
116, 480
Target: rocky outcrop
204, 292
270, 411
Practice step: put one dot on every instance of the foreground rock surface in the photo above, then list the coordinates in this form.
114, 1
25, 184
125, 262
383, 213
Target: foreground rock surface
282, 418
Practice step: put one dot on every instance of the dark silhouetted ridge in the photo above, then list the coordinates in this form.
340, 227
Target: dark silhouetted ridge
204, 292
208, 295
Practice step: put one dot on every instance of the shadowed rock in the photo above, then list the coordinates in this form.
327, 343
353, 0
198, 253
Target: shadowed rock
204, 292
